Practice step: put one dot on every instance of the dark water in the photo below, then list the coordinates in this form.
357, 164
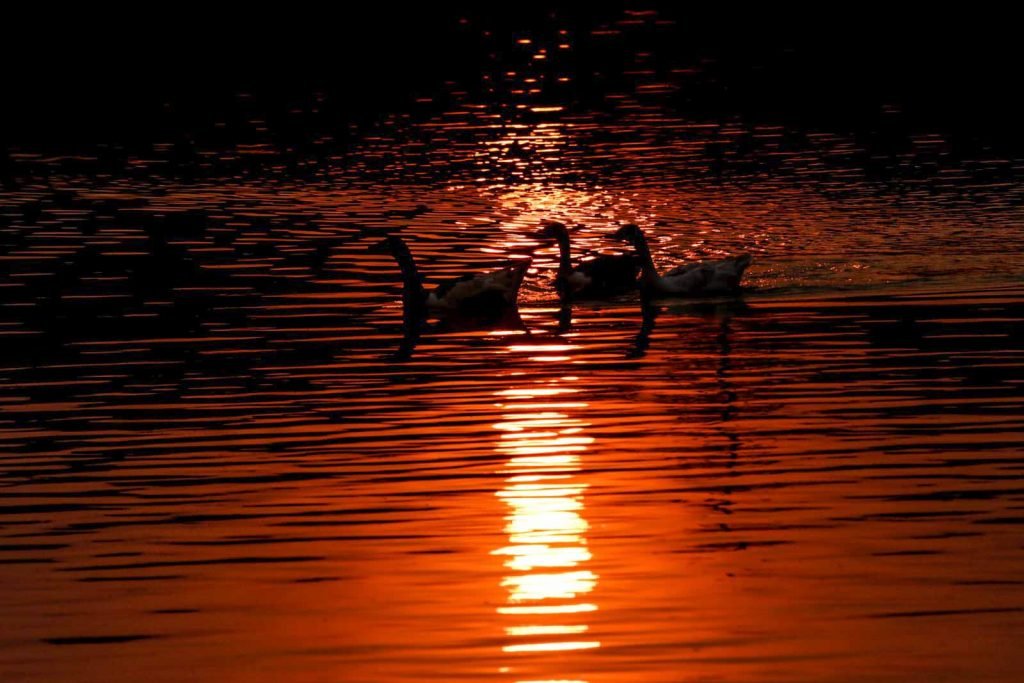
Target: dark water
214, 467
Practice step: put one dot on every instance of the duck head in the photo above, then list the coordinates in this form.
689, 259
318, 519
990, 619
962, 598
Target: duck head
389, 245
552, 230
629, 233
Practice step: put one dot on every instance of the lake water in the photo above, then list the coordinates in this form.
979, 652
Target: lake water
216, 467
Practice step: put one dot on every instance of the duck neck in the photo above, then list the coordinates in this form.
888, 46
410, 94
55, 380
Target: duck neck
413, 294
564, 256
648, 272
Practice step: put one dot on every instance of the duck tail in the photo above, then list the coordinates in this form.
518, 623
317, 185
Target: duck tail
518, 271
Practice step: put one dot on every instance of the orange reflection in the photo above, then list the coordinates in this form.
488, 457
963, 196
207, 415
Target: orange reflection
547, 553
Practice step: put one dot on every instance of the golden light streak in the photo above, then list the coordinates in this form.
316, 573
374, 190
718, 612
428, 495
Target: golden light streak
554, 630
553, 647
547, 609
547, 551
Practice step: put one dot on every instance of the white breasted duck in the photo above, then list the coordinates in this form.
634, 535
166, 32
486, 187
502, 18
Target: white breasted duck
691, 279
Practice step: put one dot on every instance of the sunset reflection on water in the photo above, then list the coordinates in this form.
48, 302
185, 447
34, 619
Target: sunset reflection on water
214, 455
547, 554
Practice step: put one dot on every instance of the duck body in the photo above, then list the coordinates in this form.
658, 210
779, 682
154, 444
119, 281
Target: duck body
481, 292
604, 275
704, 278
476, 294
599, 277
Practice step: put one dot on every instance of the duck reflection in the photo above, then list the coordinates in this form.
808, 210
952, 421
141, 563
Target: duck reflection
564, 317
416, 323
721, 312
546, 555
721, 309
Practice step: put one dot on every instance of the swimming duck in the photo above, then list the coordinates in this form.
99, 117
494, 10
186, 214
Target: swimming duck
701, 278
478, 294
594, 278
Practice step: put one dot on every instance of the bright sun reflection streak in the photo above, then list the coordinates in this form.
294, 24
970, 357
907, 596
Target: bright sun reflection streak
548, 609
553, 647
547, 548
565, 585
544, 630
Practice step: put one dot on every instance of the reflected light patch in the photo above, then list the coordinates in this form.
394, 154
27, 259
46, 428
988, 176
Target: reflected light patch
551, 348
533, 495
553, 647
547, 609
547, 551
564, 585
549, 630
533, 392
570, 558
544, 537
528, 557
531, 478
539, 461
521, 434
534, 533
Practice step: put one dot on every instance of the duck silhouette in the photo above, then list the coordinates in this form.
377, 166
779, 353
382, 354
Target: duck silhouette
473, 294
692, 279
468, 302
596, 278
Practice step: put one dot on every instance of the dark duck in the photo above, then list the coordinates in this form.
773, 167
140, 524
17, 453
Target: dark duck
599, 277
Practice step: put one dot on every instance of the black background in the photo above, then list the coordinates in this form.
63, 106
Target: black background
86, 76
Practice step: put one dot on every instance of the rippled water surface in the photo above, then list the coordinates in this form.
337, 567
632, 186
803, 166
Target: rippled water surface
215, 466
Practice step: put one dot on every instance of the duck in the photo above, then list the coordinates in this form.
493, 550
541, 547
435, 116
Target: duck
491, 293
595, 278
692, 279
